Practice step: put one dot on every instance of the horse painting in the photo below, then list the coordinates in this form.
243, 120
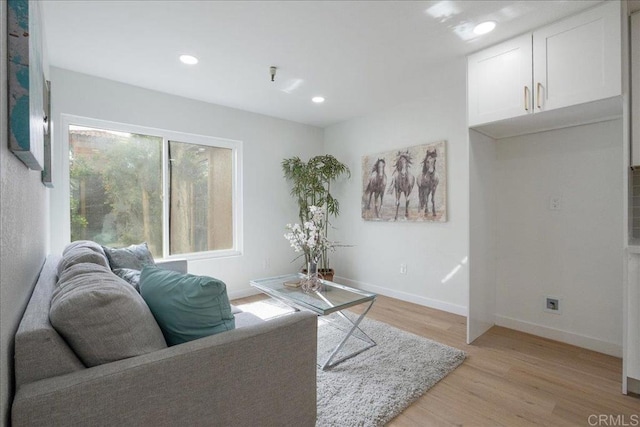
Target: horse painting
402, 181
376, 185
428, 182
420, 169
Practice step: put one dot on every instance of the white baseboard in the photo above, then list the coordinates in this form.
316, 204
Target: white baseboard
578, 340
405, 296
633, 385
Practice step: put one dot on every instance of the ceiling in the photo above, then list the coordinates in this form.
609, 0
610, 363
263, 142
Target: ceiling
362, 56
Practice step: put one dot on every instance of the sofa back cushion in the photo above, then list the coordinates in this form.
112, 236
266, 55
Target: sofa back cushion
89, 244
101, 316
79, 254
187, 307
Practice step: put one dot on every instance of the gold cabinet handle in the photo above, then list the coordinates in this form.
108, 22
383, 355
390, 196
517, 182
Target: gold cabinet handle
538, 95
526, 98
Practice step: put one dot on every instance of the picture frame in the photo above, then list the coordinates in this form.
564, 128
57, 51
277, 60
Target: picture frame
25, 82
46, 170
408, 184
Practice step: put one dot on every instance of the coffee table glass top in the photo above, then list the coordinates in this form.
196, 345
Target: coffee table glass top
333, 297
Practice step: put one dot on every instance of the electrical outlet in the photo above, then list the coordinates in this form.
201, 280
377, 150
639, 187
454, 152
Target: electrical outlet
555, 203
266, 264
552, 305
403, 268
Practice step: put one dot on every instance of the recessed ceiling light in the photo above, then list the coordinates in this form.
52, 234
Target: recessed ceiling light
484, 27
318, 99
188, 59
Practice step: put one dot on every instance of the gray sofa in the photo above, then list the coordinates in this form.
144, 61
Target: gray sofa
259, 374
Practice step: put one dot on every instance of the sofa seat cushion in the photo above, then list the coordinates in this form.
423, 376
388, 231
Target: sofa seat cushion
102, 317
186, 306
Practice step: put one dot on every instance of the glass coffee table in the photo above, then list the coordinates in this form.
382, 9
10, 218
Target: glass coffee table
331, 298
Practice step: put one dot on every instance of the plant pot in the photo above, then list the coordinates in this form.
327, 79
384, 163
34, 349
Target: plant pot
326, 273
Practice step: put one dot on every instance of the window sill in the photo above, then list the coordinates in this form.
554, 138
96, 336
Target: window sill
198, 256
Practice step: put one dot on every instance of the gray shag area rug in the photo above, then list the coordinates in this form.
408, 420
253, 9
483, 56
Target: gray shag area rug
373, 387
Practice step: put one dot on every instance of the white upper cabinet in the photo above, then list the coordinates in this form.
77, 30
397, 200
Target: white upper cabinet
578, 59
500, 81
573, 61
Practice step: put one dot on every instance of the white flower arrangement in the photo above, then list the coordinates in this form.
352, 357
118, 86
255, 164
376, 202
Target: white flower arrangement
309, 238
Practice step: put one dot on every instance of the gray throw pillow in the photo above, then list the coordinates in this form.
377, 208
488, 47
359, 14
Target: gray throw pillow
134, 257
79, 255
130, 275
102, 317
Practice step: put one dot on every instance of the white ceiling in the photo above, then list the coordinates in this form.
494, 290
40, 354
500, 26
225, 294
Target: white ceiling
362, 56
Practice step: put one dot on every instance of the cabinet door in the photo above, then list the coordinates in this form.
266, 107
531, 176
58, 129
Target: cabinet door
499, 81
578, 59
632, 328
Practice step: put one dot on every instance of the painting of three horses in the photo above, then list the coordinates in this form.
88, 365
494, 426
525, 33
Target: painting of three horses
409, 184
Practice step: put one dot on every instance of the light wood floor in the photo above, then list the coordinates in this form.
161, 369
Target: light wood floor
509, 378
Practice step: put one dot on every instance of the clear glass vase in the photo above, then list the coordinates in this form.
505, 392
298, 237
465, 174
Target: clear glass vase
312, 281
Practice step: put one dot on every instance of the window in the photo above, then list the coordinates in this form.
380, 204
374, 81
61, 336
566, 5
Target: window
178, 193
201, 203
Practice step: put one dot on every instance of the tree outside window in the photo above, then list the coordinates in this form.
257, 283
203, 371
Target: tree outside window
117, 196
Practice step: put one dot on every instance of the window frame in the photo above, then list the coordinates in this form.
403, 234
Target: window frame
166, 135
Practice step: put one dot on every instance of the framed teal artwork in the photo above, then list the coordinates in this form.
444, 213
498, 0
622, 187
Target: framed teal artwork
27, 119
46, 169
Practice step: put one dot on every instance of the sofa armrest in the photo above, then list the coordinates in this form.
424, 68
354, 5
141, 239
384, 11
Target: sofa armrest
179, 265
260, 375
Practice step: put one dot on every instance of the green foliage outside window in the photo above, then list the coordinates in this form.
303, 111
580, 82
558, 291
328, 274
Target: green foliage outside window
116, 188
116, 192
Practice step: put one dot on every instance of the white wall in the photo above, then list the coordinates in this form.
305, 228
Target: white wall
575, 253
483, 198
23, 223
430, 250
267, 205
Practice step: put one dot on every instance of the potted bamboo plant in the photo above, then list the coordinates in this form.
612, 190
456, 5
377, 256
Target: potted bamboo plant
311, 187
